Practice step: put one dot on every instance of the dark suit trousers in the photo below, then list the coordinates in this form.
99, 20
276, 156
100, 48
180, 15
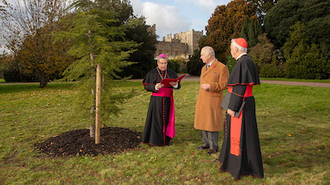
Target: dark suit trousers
210, 139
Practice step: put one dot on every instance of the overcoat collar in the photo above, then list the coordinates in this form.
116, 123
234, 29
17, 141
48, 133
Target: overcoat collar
211, 68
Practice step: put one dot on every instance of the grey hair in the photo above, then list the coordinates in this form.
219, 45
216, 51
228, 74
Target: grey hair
208, 50
240, 48
158, 59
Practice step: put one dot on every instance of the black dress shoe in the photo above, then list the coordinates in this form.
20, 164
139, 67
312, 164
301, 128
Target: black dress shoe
212, 151
202, 147
217, 161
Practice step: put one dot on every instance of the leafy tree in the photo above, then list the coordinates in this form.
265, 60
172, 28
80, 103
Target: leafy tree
313, 13
225, 24
318, 31
97, 40
27, 26
40, 55
296, 35
302, 59
4, 60
310, 65
280, 18
263, 6
262, 52
264, 55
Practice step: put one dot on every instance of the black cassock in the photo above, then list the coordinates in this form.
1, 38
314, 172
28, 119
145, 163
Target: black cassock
240, 154
156, 125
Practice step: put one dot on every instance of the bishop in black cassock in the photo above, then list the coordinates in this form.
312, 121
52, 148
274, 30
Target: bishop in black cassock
160, 122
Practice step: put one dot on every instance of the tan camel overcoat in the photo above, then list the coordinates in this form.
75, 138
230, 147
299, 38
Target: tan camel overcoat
208, 111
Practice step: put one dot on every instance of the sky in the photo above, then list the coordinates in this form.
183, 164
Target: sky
175, 16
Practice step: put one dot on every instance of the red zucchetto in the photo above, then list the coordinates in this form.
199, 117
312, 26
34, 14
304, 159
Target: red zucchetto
241, 42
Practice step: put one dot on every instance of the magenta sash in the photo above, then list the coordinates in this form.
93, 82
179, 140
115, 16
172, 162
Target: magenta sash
168, 92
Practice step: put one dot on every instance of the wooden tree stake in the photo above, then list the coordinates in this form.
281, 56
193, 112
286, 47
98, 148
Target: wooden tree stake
98, 101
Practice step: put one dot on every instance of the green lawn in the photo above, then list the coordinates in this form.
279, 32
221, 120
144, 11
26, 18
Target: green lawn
293, 123
298, 80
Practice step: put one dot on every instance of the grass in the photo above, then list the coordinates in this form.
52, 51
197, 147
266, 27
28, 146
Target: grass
298, 80
293, 123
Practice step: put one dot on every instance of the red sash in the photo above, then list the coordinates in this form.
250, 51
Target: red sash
168, 92
236, 125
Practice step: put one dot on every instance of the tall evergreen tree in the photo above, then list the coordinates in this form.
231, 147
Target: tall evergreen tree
251, 30
143, 57
98, 39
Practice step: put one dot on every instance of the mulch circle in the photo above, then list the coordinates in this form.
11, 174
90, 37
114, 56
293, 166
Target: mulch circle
113, 140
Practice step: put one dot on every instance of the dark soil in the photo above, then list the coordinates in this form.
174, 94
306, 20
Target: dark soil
113, 140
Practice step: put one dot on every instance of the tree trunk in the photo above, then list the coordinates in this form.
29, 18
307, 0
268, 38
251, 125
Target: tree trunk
92, 126
92, 130
42, 79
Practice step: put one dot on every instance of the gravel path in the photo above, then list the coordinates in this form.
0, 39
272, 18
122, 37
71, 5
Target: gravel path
313, 84
196, 78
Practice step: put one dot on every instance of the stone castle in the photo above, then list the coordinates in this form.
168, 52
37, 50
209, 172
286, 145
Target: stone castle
181, 45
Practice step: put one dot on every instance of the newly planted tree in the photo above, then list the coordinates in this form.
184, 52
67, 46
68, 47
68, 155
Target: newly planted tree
97, 42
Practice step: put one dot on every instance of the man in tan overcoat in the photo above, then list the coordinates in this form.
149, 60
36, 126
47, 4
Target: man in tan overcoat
208, 112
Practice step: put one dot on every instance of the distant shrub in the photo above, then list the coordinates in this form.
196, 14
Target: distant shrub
307, 62
174, 65
195, 64
231, 63
10, 74
271, 71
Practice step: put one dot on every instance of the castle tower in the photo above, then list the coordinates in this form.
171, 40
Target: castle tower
191, 38
180, 45
152, 29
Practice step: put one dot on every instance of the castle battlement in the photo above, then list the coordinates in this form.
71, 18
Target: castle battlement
178, 45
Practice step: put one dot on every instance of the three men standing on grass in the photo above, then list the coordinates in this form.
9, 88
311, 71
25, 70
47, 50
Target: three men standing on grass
240, 154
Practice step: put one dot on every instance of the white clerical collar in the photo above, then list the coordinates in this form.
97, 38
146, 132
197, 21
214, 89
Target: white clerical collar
240, 56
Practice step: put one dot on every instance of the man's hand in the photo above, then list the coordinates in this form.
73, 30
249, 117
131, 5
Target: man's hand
159, 85
173, 83
206, 87
231, 112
